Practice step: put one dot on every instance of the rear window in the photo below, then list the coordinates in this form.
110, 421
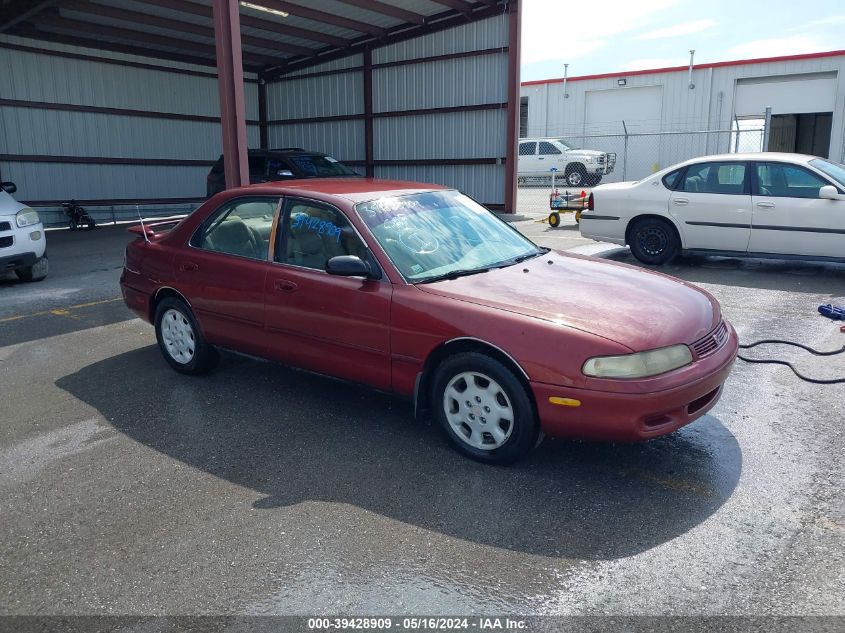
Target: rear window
320, 166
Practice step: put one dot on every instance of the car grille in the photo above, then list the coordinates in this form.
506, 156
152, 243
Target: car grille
6, 241
709, 344
5, 226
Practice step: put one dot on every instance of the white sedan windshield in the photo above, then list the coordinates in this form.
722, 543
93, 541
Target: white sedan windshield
441, 234
834, 170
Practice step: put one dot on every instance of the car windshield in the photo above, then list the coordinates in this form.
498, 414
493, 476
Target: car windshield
834, 170
320, 166
567, 144
443, 234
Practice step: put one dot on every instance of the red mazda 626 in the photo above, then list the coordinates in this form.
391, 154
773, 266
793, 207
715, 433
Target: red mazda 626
422, 291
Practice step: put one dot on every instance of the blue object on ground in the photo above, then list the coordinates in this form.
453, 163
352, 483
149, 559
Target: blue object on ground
832, 312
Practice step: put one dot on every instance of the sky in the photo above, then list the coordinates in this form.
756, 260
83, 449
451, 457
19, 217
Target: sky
603, 36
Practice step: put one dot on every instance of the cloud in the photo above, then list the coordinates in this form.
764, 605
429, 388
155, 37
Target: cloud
566, 31
687, 28
650, 63
777, 46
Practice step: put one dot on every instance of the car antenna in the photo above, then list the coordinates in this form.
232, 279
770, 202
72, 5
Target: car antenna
143, 229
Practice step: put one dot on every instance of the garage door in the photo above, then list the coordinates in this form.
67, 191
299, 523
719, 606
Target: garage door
640, 108
787, 94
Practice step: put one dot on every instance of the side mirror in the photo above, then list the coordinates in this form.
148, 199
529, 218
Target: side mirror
349, 266
9, 187
829, 192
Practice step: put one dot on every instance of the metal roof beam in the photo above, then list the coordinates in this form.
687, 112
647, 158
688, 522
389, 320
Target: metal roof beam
143, 38
83, 6
458, 5
19, 11
97, 44
183, 6
383, 8
325, 18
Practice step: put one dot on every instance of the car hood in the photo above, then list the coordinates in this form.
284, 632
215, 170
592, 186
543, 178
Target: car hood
8, 205
633, 307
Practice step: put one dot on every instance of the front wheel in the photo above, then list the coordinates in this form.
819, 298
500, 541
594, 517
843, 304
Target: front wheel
36, 272
484, 409
180, 340
576, 176
654, 241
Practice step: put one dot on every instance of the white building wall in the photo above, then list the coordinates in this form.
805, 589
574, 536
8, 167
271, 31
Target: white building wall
711, 105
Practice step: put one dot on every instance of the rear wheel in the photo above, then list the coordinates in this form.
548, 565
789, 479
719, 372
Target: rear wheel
654, 241
554, 220
180, 340
36, 272
484, 409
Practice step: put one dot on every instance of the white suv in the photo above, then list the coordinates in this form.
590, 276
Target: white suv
22, 240
579, 167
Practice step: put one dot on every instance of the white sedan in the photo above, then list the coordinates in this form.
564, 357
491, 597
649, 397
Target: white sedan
787, 206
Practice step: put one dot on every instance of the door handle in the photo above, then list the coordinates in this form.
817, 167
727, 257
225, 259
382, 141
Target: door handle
680, 201
188, 267
285, 285
766, 205
541, 158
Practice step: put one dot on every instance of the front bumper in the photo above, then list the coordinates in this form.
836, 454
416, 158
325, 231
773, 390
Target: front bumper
634, 417
15, 262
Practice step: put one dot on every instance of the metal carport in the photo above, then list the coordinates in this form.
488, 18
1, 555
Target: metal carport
413, 89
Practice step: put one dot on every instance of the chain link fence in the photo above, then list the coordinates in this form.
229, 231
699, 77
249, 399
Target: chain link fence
580, 162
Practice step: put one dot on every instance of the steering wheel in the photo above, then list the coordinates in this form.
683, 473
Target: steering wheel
419, 242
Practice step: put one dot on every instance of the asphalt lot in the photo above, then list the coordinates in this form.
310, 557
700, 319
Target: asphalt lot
126, 488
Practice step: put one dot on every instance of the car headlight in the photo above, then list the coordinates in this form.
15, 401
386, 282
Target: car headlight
589, 159
639, 365
27, 217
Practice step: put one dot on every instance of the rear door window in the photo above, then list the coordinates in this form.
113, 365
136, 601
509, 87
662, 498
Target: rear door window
718, 178
527, 149
240, 227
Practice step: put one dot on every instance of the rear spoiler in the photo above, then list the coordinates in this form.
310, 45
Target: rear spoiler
152, 230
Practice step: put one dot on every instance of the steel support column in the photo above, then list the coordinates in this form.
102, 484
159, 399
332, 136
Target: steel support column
368, 113
264, 141
230, 82
514, 48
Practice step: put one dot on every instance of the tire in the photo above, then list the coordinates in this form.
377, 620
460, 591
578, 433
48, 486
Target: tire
91, 224
554, 220
180, 339
654, 241
489, 387
36, 272
73, 225
576, 176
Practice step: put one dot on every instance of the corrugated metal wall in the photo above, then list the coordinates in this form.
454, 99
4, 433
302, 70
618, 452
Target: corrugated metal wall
460, 137
709, 106
38, 131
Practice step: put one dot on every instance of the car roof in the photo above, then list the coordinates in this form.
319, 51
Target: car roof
761, 156
353, 189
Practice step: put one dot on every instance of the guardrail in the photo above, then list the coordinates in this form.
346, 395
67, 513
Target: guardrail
113, 211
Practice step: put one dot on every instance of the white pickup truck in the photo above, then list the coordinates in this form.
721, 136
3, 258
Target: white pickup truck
578, 167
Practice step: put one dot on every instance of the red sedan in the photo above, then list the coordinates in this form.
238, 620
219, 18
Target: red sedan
420, 290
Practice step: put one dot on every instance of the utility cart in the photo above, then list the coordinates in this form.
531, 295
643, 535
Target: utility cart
565, 202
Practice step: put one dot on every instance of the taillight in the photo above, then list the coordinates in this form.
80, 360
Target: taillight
590, 204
